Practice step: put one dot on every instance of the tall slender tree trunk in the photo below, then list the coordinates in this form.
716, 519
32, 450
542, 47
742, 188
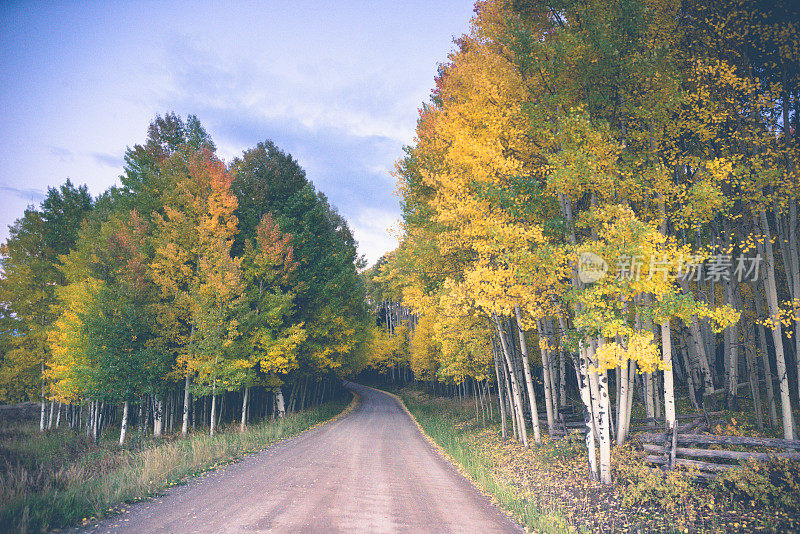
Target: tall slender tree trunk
623, 402
762, 344
42, 406
514, 386
548, 384
582, 375
669, 389
123, 428
158, 415
752, 371
500, 399
280, 407
186, 395
245, 397
140, 424
213, 418
777, 332
58, 414
528, 378
603, 419
562, 380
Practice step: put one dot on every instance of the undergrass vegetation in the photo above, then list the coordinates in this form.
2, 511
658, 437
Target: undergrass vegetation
61, 478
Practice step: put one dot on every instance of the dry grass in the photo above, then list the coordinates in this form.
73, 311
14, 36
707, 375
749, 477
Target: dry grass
62, 478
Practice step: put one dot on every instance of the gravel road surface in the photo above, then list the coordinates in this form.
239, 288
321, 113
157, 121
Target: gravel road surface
370, 471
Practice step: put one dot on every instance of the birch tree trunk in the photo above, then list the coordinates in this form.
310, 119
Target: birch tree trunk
752, 371
280, 406
562, 380
669, 389
603, 419
213, 421
523, 345
777, 332
245, 398
762, 341
581, 373
517, 399
42, 408
623, 401
58, 414
548, 392
500, 399
186, 384
123, 429
158, 415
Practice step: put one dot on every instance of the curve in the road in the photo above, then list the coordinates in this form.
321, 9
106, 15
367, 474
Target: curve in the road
370, 471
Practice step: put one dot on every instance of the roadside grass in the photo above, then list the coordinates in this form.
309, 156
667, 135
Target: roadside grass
61, 478
455, 432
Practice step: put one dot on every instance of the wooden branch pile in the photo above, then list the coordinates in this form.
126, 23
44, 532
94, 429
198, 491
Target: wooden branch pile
568, 421
671, 449
687, 423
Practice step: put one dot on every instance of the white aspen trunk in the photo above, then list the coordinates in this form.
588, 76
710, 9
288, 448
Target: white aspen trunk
626, 415
139, 422
523, 345
594, 388
500, 399
623, 402
553, 359
158, 415
562, 381
96, 422
752, 371
42, 407
477, 412
50, 417
669, 389
793, 269
213, 422
768, 376
245, 397
511, 410
280, 406
186, 384
777, 332
732, 336
603, 421
618, 375
581, 373
123, 429
548, 392
699, 347
58, 414
517, 399
733, 379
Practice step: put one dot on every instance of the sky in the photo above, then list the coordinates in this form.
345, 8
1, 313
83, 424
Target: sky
337, 85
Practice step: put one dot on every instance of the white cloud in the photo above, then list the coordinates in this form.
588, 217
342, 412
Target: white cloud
372, 228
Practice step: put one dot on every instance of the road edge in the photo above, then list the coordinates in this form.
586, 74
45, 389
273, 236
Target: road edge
449, 459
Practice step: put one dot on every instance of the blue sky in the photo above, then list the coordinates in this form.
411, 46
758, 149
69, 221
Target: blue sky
336, 84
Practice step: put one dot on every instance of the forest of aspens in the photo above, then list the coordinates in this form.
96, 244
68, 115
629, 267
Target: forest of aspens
598, 247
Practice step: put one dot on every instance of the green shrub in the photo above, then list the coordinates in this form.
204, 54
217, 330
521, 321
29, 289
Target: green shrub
643, 485
774, 484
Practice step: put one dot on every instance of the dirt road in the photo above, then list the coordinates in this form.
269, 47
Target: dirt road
370, 471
